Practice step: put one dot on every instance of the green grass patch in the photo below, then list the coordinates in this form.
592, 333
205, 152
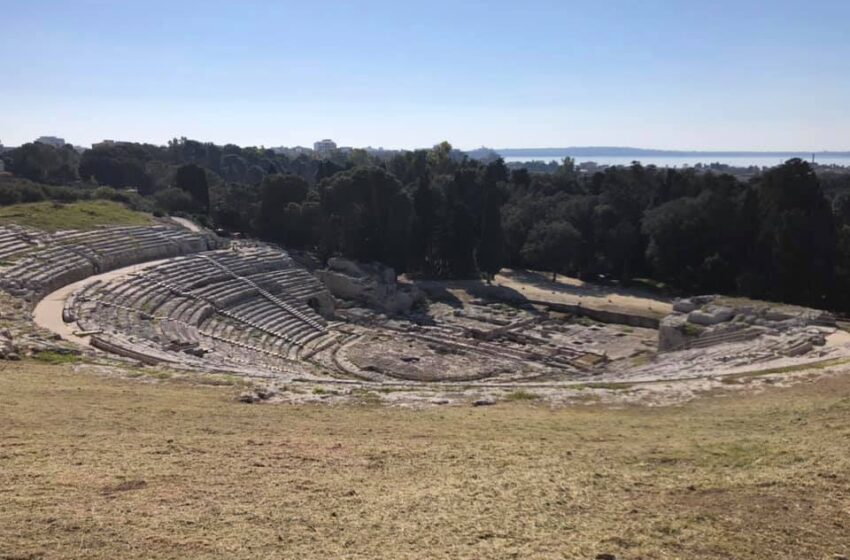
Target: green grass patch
89, 214
366, 396
387, 390
608, 386
51, 357
692, 330
521, 395
740, 454
223, 380
149, 372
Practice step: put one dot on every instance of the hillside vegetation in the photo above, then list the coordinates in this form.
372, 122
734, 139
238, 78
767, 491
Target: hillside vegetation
781, 234
93, 467
88, 214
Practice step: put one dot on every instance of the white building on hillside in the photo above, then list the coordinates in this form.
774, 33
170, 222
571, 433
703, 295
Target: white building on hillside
325, 146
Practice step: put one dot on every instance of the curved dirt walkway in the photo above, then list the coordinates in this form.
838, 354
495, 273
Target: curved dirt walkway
188, 224
48, 312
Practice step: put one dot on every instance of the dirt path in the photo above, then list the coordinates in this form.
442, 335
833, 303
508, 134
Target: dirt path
571, 291
48, 313
519, 285
188, 224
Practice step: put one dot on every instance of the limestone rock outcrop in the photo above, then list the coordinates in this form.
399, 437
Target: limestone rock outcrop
703, 321
373, 285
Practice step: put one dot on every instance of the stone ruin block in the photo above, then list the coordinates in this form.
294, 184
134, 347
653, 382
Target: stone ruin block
711, 315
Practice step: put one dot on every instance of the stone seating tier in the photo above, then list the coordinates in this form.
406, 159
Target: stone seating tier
243, 306
74, 255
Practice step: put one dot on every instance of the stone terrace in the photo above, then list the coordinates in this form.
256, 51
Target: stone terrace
249, 309
16, 239
68, 256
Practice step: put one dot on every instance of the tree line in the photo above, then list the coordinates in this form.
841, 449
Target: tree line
782, 235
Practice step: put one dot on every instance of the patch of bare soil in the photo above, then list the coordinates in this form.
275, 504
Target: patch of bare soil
571, 291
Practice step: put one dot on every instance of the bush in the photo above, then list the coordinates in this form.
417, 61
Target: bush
31, 193
65, 194
173, 200
521, 395
135, 201
9, 195
105, 193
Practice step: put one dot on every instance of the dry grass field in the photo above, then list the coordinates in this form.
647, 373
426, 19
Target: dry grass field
94, 467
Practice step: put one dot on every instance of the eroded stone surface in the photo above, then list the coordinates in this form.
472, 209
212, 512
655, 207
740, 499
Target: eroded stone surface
252, 311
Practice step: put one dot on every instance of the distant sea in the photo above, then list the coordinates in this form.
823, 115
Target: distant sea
684, 161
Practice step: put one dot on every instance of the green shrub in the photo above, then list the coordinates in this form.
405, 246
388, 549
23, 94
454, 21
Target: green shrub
521, 395
66, 194
105, 193
31, 193
692, 330
9, 195
173, 200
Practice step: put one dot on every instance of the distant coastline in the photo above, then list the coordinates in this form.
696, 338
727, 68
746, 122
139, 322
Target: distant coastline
610, 151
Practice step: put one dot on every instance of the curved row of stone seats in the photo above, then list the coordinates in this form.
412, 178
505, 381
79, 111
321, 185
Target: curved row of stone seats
267, 313
244, 306
284, 333
293, 310
74, 255
174, 342
139, 243
123, 346
15, 239
724, 337
258, 272
298, 284
264, 316
114, 314
46, 270
145, 352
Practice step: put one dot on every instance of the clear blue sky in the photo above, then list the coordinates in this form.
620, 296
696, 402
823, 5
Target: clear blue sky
687, 74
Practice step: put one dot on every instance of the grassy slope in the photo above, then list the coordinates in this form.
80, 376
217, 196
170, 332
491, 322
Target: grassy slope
99, 468
50, 216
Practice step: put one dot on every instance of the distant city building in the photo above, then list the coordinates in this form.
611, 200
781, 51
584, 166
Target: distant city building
325, 146
103, 144
54, 141
292, 152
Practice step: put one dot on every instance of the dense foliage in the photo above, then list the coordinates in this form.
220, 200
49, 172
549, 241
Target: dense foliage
784, 234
